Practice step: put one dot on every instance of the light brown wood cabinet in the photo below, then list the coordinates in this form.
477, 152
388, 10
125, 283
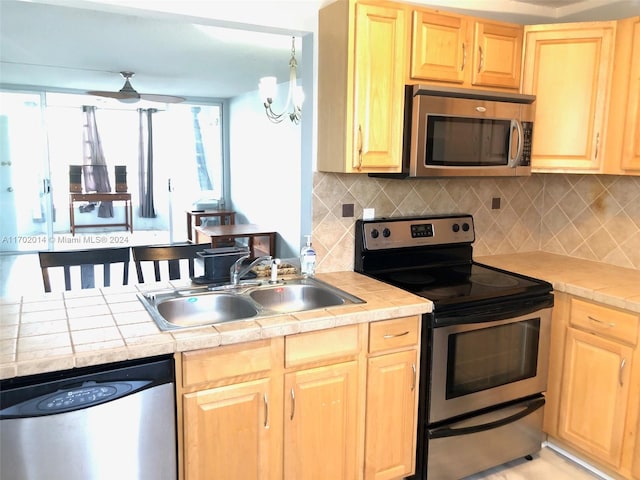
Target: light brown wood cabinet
594, 394
623, 133
361, 64
569, 69
230, 400
464, 51
390, 440
294, 407
321, 422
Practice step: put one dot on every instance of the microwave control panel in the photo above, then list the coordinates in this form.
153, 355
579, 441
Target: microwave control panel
527, 136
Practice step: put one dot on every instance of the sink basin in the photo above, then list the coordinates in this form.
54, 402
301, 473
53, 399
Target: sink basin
295, 298
195, 307
203, 309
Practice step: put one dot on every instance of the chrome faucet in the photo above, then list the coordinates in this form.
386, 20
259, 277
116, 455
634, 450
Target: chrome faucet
237, 271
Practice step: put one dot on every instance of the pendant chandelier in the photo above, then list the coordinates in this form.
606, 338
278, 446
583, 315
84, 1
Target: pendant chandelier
268, 87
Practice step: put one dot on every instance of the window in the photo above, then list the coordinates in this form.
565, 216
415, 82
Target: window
187, 146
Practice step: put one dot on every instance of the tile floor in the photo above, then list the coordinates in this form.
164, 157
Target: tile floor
546, 465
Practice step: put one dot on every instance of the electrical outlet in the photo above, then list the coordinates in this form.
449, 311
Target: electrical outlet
347, 209
495, 203
368, 213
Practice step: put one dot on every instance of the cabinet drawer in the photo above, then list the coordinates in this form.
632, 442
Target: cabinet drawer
214, 364
395, 333
604, 321
321, 345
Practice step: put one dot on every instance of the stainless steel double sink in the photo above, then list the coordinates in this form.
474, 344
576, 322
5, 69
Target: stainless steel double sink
173, 309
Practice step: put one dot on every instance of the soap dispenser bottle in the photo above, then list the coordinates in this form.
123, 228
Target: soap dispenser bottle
307, 258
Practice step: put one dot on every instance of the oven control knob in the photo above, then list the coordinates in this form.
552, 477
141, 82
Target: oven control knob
456, 227
386, 233
374, 233
465, 227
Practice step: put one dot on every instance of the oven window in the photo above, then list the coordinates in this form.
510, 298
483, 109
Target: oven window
489, 357
458, 141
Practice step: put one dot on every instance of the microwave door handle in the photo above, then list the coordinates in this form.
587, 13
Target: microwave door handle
515, 161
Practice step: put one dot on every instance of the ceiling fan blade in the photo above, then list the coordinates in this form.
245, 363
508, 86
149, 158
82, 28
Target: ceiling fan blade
117, 95
161, 98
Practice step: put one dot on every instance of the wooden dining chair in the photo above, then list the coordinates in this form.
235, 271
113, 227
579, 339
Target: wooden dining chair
87, 260
172, 254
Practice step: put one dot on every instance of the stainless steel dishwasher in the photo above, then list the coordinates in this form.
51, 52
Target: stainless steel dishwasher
116, 421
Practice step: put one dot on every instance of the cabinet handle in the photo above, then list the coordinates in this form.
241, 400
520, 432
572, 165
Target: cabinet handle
464, 56
413, 368
481, 64
606, 324
597, 144
266, 410
394, 335
359, 165
622, 365
293, 404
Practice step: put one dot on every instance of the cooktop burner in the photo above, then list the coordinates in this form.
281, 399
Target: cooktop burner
453, 284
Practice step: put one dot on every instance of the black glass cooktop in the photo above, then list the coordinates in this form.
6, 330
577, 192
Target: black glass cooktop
462, 283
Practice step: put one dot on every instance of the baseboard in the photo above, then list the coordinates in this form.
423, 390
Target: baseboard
577, 460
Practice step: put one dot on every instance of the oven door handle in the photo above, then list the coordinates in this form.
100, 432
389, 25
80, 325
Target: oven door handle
443, 432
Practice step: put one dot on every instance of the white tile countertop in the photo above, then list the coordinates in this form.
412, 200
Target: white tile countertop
60, 331
614, 286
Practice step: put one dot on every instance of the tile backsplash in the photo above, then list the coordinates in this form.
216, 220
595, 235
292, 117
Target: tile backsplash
595, 217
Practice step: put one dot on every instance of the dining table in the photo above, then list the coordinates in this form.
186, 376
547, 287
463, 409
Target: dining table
261, 239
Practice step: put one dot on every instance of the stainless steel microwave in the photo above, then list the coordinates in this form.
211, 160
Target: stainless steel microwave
451, 132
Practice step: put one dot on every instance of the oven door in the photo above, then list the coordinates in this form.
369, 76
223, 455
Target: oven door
480, 365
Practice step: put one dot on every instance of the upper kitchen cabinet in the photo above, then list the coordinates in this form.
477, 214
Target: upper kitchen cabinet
623, 133
361, 65
469, 52
569, 69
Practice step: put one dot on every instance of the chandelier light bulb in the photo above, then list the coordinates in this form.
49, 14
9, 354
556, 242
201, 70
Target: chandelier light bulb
268, 87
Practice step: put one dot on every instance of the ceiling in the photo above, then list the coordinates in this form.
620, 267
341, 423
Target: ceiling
197, 49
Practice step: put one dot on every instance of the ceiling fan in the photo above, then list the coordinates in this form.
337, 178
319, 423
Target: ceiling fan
127, 94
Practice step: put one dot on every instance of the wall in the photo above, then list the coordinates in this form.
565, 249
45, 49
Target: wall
265, 164
595, 217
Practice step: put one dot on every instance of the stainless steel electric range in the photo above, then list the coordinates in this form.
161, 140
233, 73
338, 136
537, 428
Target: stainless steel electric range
485, 346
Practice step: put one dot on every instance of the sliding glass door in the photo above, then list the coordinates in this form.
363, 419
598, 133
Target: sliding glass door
26, 214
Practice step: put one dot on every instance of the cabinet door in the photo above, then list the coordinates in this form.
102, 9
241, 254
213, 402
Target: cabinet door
380, 36
232, 432
498, 55
440, 49
391, 416
320, 423
631, 140
568, 68
595, 395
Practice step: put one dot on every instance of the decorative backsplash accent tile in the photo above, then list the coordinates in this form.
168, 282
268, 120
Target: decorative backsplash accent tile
595, 217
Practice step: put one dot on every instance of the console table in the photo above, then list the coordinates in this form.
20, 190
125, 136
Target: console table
224, 233
194, 219
102, 197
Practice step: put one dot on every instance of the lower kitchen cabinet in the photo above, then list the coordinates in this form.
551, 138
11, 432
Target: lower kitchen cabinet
228, 432
321, 422
294, 407
595, 395
598, 393
392, 375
